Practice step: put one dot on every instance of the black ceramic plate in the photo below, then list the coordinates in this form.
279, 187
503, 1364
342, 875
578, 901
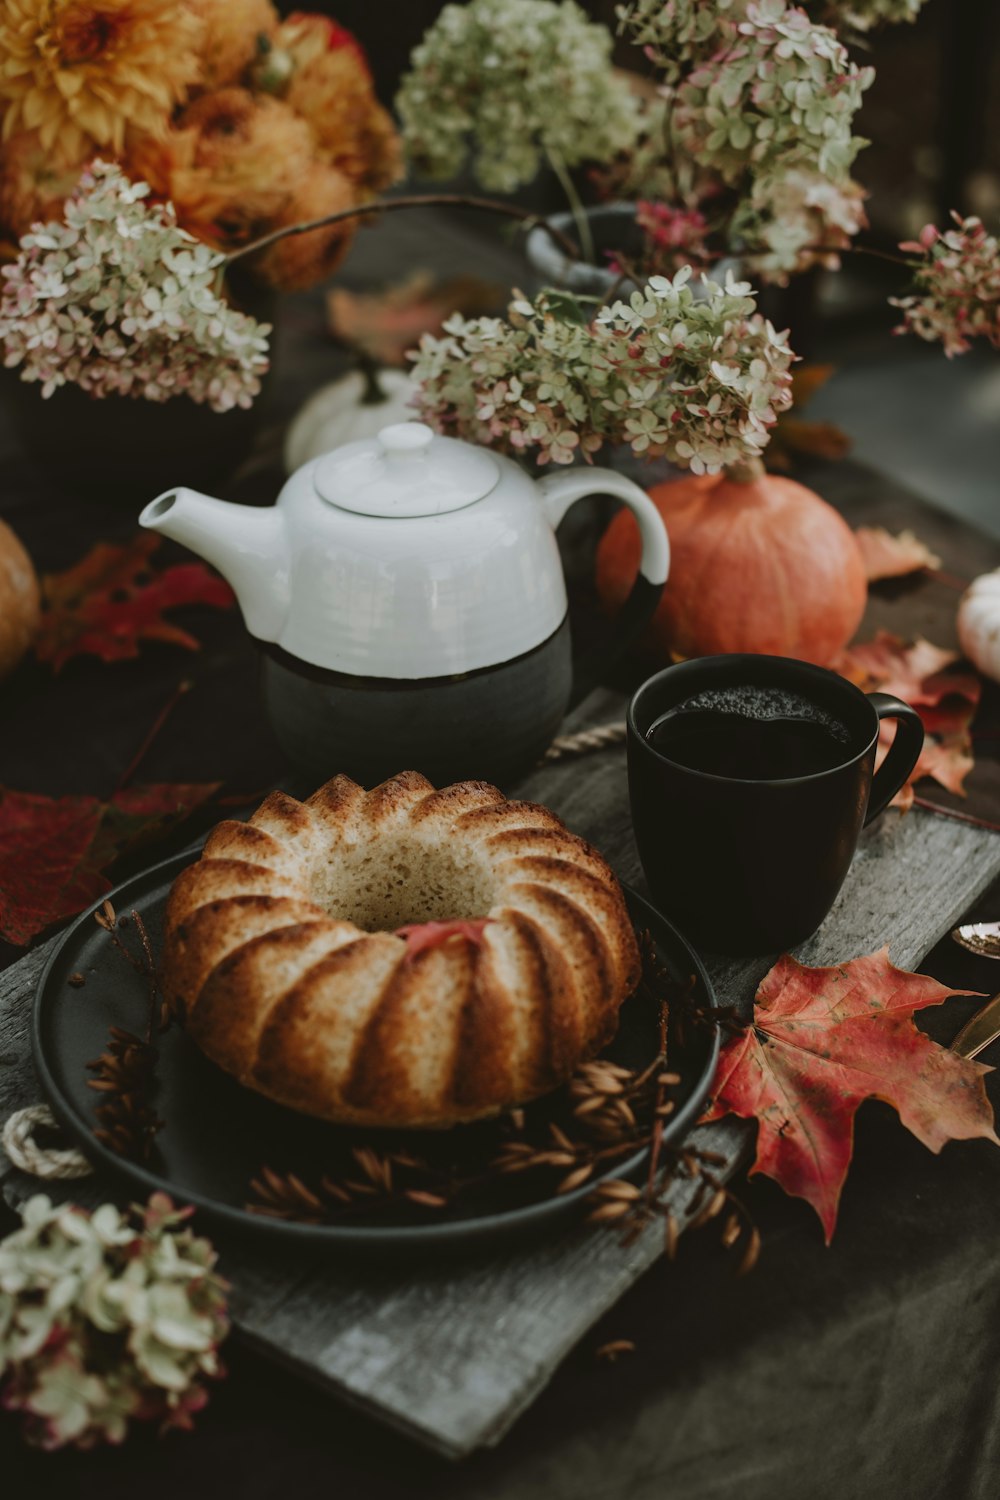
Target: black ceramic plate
217, 1134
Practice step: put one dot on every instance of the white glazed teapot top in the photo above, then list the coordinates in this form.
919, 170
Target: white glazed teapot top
403, 556
405, 471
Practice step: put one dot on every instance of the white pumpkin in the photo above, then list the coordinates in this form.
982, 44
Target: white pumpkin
979, 624
337, 414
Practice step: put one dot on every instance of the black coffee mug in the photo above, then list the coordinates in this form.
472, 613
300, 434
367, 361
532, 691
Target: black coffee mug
753, 866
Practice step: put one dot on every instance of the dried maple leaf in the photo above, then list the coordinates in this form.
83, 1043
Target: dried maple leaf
946, 702
823, 1040
423, 935
111, 600
54, 851
888, 556
384, 325
791, 435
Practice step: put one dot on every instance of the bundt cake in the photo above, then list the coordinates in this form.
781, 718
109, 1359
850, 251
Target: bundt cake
284, 957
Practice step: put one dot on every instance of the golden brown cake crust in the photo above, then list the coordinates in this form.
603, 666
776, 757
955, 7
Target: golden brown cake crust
283, 958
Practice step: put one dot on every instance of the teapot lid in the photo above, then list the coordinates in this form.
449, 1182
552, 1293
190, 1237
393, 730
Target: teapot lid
407, 470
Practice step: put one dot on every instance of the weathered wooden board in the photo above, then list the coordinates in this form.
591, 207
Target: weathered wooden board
451, 1353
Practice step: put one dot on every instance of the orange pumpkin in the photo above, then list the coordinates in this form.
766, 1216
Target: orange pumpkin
19, 601
764, 566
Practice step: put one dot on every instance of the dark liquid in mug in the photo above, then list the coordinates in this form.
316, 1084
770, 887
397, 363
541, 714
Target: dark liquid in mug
751, 734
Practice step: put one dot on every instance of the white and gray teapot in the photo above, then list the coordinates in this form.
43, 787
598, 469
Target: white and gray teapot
408, 595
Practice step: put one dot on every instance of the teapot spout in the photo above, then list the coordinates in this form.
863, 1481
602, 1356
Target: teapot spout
246, 543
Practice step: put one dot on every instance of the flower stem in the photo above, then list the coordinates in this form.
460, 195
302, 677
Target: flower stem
746, 472
151, 734
374, 393
418, 200
576, 207
855, 249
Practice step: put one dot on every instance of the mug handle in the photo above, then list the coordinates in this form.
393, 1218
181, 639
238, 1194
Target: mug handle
558, 493
904, 752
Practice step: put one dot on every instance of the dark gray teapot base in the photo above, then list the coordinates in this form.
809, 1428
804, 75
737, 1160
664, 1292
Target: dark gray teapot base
490, 725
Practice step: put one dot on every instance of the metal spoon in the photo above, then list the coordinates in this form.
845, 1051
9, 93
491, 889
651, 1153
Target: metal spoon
981, 938
978, 1033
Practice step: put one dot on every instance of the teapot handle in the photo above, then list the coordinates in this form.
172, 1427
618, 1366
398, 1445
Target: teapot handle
559, 492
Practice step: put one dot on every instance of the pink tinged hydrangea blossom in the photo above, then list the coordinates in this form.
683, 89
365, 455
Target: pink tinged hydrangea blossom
699, 380
120, 301
794, 218
673, 237
782, 92
956, 295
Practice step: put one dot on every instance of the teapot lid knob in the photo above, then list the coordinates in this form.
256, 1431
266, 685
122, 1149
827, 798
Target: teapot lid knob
408, 470
405, 439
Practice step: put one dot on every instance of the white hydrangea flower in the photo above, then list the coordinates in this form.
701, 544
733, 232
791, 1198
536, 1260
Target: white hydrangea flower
697, 380
118, 300
510, 80
104, 1320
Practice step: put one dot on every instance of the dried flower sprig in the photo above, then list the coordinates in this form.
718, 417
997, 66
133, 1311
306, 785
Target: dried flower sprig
699, 381
956, 296
118, 300
606, 1118
609, 1112
107, 1319
125, 1073
513, 80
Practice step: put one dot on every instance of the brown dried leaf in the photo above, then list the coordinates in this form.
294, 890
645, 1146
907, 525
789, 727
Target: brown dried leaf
384, 325
888, 556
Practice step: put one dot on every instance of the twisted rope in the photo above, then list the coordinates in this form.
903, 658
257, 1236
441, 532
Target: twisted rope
586, 741
18, 1141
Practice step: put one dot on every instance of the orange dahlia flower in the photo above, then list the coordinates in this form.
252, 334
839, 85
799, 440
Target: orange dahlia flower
331, 87
302, 260
237, 165
34, 183
233, 35
81, 71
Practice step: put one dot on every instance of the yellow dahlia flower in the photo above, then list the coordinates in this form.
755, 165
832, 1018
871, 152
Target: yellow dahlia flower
231, 39
81, 71
331, 87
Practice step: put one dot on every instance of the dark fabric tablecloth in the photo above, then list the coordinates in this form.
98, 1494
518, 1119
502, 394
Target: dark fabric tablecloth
861, 1370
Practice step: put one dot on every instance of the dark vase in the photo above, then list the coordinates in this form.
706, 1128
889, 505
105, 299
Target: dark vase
124, 450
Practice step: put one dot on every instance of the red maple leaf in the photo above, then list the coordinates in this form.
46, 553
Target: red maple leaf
822, 1040
111, 600
422, 935
946, 702
888, 556
54, 851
